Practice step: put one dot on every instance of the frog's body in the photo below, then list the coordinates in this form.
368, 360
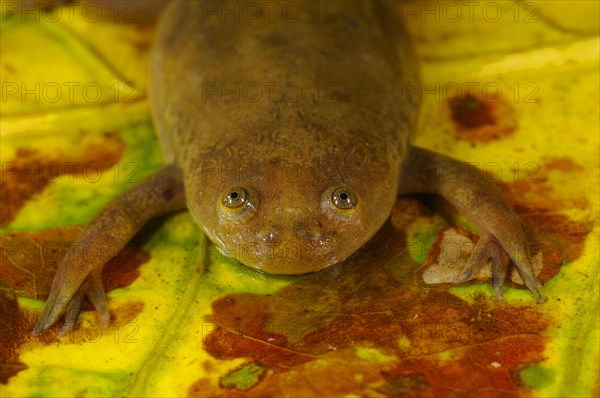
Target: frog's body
287, 110
305, 121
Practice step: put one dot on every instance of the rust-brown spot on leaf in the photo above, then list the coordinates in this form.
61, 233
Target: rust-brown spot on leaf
32, 170
477, 119
30, 259
561, 238
15, 329
127, 312
12, 329
564, 164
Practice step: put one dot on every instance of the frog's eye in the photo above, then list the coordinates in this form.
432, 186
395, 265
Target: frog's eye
342, 200
237, 200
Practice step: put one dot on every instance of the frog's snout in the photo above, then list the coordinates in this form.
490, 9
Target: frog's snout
289, 223
301, 231
286, 240
291, 246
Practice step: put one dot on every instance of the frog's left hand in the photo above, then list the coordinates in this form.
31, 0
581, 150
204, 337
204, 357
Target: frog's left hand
475, 196
80, 272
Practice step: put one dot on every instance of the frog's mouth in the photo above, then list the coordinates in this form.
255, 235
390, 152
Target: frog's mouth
293, 259
286, 258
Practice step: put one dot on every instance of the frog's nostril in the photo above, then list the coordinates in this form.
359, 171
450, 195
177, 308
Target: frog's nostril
269, 235
307, 233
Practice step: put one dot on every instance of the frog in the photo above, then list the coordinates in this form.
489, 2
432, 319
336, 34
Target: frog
287, 134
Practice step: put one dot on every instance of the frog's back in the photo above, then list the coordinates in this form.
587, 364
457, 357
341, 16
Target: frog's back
229, 71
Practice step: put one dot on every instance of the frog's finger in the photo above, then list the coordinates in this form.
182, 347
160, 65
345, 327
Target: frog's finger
500, 263
50, 315
477, 259
41, 322
518, 251
95, 293
525, 270
92, 288
72, 312
61, 293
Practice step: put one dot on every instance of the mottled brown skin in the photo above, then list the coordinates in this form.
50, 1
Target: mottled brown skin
331, 113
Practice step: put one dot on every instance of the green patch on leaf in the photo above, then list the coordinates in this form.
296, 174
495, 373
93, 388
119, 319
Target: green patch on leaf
243, 378
538, 376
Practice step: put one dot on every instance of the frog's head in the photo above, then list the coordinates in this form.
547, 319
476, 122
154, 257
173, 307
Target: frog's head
286, 217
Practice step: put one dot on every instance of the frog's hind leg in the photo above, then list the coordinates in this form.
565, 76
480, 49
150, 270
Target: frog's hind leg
79, 273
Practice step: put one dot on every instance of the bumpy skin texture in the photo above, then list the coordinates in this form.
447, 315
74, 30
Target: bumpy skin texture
286, 112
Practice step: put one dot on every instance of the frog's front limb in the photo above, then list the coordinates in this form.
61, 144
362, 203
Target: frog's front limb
79, 273
475, 196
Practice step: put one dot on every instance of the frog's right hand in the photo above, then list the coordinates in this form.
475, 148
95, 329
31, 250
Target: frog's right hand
79, 274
